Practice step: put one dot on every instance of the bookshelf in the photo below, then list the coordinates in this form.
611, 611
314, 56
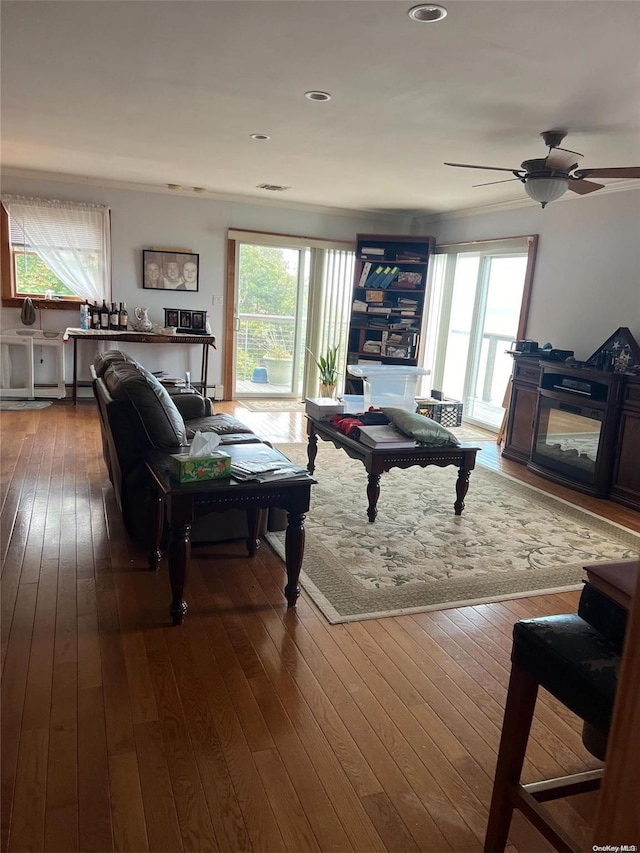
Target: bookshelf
387, 307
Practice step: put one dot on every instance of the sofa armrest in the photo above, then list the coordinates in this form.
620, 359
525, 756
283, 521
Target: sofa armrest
192, 406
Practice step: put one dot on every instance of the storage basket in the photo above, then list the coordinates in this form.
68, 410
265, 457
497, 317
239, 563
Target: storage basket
445, 411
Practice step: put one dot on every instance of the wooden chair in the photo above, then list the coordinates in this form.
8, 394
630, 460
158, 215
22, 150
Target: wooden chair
576, 658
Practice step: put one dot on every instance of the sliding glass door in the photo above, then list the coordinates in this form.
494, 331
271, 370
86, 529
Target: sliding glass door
475, 312
290, 297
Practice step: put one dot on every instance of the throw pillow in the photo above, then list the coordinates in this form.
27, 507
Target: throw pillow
422, 429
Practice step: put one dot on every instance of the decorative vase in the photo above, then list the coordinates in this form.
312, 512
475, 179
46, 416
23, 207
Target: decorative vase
327, 390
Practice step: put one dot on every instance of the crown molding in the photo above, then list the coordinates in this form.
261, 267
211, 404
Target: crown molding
233, 198
525, 201
414, 214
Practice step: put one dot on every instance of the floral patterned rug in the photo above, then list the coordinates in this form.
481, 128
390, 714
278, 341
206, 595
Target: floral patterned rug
511, 541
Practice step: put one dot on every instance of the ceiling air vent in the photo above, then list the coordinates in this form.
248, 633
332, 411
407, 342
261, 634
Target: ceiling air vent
274, 188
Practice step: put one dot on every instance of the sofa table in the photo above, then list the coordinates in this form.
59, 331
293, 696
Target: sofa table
183, 501
205, 341
376, 462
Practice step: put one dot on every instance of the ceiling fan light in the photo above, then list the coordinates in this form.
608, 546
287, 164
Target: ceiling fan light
545, 189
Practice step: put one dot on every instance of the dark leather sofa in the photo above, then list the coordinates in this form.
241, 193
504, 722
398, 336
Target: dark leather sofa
137, 415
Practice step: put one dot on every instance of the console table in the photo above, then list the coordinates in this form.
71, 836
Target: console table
183, 501
205, 341
376, 462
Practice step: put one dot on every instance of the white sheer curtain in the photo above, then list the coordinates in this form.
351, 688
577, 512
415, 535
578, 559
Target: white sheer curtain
73, 239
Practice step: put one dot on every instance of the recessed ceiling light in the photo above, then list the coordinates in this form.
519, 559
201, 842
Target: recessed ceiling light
259, 137
174, 186
318, 96
274, 188
427, 13
199, 189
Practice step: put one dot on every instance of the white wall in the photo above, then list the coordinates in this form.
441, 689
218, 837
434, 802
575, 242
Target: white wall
141, 220
587, 276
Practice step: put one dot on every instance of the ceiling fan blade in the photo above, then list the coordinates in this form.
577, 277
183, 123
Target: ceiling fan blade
621, 172
583, 187
562, 158
492, 168
488, 184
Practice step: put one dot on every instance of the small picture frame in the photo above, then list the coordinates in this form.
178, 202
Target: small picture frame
170, 270
171, 316
198, 320
185, 320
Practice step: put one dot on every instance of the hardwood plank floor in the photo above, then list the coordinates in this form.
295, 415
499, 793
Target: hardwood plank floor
252, 727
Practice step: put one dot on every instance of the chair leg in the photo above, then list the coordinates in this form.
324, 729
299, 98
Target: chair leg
518, 715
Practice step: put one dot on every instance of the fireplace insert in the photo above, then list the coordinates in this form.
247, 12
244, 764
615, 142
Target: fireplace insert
575, 430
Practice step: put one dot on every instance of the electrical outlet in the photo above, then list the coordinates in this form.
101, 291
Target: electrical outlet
218, 392
217, 300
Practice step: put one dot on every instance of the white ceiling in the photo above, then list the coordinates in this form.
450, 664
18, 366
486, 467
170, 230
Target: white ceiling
152, 93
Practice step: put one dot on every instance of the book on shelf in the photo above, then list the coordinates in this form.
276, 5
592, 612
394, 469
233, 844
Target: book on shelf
375, 276
400, 339
366, 269
376, 251
374, 296
359, 305
389, 275
408, 280
384, 437
372, 346
379, 309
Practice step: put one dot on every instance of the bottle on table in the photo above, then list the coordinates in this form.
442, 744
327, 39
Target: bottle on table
114, 318
84, 317
104, 316
123, 318
95, 316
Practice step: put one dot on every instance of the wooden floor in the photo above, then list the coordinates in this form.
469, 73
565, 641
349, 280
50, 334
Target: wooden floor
251, 727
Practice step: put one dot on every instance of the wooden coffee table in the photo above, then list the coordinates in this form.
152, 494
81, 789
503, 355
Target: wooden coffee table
376, 462
183, 501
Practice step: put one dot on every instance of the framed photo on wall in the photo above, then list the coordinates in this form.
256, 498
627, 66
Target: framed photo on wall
170, 270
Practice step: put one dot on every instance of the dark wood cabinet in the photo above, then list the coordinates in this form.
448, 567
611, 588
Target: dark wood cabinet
625, 486
617, 472
522, 407
387, 305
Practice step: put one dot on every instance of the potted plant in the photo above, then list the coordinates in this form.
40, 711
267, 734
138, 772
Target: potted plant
277, 358
328, 371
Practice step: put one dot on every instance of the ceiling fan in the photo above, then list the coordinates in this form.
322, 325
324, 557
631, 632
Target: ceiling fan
545, 179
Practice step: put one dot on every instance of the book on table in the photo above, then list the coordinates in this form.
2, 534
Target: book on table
385, 437
265, 471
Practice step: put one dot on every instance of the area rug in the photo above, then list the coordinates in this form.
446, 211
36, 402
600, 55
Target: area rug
19, 405
273, 405
511, 541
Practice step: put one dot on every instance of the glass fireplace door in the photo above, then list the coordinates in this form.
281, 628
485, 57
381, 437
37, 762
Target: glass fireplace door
567, 439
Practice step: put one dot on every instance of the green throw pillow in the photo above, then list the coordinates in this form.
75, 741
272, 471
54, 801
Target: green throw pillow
422, 429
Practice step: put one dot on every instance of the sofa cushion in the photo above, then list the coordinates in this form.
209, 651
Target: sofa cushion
163, 423
230, 430
423, 429
103, 360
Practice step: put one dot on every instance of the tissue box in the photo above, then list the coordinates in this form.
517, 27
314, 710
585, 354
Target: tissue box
193, 469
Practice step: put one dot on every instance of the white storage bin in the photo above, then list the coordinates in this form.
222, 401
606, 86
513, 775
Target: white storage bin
389, 384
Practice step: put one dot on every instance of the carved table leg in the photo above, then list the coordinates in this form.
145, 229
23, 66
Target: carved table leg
462, 486
155, 554
254, 517
373, 493
312, 451
294, 551
179, 559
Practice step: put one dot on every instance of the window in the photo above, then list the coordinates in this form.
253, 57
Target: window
479, 298
54, 250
